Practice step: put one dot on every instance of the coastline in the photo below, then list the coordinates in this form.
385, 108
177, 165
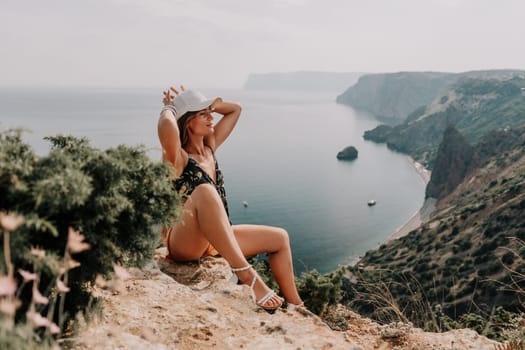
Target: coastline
423, 214
423, 172
419, 217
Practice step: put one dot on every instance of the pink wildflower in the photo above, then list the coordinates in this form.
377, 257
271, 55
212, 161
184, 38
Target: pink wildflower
7, 285
61, 287
75, 242
38, 320
39, 298
9, 306
53, 328
27, 276
10, 221
71, 264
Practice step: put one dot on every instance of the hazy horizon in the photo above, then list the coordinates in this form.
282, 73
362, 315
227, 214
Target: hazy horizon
205, 43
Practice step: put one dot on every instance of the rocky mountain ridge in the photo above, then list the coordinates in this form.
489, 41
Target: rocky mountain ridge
474, 106
391, 97
463, 266
456, 158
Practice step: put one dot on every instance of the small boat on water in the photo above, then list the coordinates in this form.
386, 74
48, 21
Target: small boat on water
371, 202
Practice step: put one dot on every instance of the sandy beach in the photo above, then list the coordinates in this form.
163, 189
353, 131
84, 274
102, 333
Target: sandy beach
421, 170
423, 214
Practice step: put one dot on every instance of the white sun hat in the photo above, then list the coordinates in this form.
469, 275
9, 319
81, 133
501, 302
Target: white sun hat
190, 101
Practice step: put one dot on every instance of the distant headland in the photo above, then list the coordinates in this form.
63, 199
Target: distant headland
302, 80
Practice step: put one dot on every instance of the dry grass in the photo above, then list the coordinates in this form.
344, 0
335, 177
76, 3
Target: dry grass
511, 345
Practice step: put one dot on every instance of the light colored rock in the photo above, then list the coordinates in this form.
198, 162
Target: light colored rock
193, 306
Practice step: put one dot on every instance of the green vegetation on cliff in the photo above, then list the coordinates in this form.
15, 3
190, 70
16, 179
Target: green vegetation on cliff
464, 267
474, 106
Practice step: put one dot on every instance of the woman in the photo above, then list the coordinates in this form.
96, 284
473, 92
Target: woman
189, 141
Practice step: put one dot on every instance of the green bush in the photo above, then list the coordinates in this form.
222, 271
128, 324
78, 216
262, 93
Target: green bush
111, 200
453, 261
473, 321
508, 258
491, 231
465, 244
320, 291
493, 183
442, 227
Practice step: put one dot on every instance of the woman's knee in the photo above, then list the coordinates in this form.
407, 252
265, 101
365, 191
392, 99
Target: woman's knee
283, 237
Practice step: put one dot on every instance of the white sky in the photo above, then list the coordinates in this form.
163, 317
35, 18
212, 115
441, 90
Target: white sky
213, 43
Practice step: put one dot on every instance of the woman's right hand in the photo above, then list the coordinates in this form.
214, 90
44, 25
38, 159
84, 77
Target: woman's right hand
168, 97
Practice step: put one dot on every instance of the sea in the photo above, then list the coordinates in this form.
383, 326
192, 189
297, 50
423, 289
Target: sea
280, 160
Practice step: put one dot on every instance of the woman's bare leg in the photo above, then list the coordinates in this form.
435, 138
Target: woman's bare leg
205, 221
255, 239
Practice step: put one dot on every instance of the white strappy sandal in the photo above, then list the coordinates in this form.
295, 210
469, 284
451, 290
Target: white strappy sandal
293, 307
235, 280
300, 308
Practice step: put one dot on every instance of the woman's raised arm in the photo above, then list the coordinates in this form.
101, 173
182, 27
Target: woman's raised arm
231, 112
172, 151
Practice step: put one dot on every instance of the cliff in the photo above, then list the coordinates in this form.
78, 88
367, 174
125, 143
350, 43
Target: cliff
309, 81
454, 159
464, 266
474, 105
192, 306
392, 96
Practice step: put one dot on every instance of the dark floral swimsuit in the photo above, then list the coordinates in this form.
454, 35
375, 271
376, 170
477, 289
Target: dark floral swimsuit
193, 175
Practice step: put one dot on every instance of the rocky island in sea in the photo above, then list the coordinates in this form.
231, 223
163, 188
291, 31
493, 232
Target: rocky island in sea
348, 153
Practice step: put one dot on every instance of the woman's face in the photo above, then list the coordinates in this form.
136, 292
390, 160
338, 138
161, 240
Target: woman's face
202, 123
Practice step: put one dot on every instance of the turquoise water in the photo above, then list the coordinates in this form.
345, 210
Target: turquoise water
281, 159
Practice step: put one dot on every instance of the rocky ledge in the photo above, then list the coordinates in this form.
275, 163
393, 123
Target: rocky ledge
193, 306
